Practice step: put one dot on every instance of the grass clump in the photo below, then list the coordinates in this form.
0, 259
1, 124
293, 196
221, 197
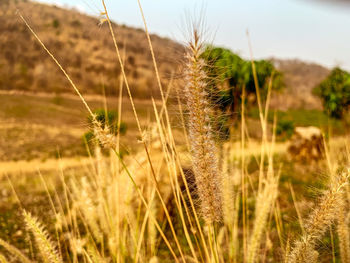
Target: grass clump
106, 121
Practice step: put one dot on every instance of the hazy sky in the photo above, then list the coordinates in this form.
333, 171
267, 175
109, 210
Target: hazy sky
311, 30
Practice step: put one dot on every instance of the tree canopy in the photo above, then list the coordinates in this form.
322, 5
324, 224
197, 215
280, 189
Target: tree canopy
229, 74
335, 93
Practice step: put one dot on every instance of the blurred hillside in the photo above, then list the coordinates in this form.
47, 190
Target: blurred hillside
83, 47
86, 50
300, 78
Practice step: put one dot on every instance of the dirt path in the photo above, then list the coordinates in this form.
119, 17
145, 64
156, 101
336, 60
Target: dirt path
73, 96
23, 166
13, 167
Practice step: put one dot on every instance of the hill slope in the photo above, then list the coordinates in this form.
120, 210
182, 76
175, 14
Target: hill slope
300, 78
86, 50
83, 47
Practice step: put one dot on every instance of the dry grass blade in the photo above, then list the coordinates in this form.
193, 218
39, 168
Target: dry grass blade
141, 133
14, 252
58, 64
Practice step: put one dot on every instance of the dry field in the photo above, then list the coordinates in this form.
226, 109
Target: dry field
166, 190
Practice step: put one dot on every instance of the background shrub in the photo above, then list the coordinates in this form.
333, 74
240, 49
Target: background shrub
335, 93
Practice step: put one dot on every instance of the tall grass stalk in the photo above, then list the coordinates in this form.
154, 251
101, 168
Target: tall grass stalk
141, 133
343, 232
268, 182
205, 163
170, 134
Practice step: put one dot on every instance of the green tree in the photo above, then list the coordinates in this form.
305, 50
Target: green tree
229, 74
335, 93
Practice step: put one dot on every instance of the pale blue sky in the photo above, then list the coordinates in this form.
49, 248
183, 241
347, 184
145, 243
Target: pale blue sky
307, 29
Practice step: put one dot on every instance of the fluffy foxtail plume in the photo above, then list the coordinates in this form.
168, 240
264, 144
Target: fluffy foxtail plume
47, 249
320, 219
103, 134
205, 163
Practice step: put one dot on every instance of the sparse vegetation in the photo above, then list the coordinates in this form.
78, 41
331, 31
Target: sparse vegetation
56, 23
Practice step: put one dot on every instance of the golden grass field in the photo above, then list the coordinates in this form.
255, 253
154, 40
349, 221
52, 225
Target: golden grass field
165, 191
